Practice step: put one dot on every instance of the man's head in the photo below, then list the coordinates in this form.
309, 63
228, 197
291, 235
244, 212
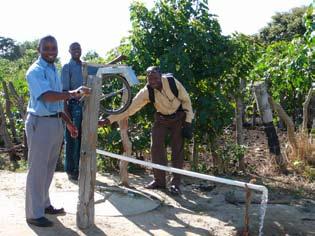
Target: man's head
75, 51
48, 48
154, 76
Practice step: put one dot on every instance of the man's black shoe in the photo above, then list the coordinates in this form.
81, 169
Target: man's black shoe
53, 211
154, 185
74, 177
174, 190
40, 222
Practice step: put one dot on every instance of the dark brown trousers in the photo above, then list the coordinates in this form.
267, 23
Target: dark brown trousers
164, 125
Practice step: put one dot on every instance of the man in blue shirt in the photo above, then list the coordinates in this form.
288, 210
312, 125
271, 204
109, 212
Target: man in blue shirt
72, 78
44, 129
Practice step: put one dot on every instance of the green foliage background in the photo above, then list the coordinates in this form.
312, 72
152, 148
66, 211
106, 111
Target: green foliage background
183, 38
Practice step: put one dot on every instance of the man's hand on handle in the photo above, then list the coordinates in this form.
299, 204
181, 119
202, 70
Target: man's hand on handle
79, 92
103, 122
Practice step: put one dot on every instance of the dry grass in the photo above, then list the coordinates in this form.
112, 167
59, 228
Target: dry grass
302, 159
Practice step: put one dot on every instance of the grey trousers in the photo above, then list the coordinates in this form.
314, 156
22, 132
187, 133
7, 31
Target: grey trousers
44, 140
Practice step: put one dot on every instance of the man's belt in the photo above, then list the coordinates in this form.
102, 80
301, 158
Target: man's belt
57, 115
171, 116
74, 101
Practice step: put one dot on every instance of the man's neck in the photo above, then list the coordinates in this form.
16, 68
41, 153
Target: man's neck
160, 88
77, 60
49, 63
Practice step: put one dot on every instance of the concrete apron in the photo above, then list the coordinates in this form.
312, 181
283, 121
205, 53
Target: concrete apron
109, 201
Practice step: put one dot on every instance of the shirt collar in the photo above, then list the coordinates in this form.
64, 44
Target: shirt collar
75, 62
44, 63
163, 79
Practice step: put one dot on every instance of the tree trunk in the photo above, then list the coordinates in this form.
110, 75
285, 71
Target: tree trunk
289, 123
305, 110
87, 177
239, 110
265, 111
254, 122
8, 112
239, 127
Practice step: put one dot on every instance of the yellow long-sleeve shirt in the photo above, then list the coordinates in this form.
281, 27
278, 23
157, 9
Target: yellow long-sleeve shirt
165, 101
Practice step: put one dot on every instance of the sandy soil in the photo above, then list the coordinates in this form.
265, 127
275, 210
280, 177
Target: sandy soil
202, 209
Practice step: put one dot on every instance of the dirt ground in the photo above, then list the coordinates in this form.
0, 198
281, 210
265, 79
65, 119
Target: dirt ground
204, 208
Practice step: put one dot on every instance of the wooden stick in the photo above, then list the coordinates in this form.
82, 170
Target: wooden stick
19, 100
123, 165
8, 112
246, 214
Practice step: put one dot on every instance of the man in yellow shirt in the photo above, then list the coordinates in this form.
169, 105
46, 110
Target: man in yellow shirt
173, 116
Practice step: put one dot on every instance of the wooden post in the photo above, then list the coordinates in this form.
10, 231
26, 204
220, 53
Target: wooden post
261, 96
246, 214
19, 101
85, 72
264, 108
123, 165
85, 207
3, 129
248, 199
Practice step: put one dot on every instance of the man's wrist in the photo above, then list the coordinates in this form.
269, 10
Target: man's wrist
69, 122
70, 95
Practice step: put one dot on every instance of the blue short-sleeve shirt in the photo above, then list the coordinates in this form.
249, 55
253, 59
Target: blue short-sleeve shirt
71, 75
42, 77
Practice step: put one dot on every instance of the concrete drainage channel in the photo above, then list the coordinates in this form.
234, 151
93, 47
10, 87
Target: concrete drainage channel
110, 201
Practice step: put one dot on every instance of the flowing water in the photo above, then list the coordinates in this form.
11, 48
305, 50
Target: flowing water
263, 208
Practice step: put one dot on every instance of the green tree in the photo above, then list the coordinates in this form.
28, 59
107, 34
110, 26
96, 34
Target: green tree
13, 71
284, 26
245, 51
9, 49
183, 38
93, 57
288, 67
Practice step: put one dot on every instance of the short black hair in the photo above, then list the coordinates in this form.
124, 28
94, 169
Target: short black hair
153, 69
46, 38
74, 43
